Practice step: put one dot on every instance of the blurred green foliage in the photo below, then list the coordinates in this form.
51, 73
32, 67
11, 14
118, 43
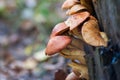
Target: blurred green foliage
43, 14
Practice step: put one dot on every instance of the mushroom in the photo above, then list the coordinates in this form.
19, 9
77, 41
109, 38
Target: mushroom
93, 18
104, 36
76, 32
81, 69
69, 3
76, 8
59, 29
74, 54
56, 44
75, 20
91, 34
87, 4
77, 43
72, 76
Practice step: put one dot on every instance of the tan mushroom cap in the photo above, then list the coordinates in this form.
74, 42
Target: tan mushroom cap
72, 76
56, 44
76, 8
74, 54
93, 18
87, 4
91, 34
69, 3
59, 29
75, 20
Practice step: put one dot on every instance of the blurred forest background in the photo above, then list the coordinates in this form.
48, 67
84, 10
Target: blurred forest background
24, 29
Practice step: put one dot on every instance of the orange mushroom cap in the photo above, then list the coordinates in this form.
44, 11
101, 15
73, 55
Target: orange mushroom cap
75, 20
76, 8
59, 29
69, 3
56, 44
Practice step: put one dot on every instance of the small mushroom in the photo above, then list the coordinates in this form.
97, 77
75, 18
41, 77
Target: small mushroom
76, 8
91, 34
59, 29
78, 68
72, 76
74, 54
56, 44
75, 20
69, 3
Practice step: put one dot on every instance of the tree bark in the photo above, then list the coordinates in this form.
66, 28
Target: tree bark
108, 14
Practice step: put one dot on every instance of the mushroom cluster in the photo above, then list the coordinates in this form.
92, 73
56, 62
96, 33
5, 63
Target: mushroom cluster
69, 37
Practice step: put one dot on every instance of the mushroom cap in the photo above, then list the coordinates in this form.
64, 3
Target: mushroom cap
93, 18
56, 44
87, 4
74, 54
59, 29
69, 3
76, 8
72, 76
77, 31
75, 20
91, 34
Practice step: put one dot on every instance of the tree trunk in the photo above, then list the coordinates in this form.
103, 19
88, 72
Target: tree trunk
108, 14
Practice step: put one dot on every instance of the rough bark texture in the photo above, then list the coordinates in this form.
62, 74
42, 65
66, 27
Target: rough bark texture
108, 14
